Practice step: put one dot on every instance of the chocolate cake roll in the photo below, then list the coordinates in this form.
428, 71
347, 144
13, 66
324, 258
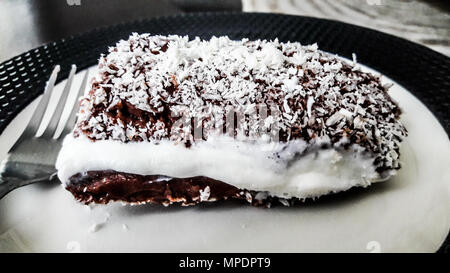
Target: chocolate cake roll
173, 120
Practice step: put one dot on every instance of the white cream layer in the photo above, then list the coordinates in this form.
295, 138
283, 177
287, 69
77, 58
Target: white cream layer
251, 166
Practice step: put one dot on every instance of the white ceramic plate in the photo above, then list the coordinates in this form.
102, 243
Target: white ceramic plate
409, 213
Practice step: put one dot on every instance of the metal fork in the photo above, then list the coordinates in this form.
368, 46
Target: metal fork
32, 159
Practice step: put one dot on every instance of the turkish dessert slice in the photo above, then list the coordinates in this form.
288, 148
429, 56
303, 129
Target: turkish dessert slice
172, 120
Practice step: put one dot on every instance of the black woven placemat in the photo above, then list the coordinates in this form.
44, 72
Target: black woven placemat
420, 70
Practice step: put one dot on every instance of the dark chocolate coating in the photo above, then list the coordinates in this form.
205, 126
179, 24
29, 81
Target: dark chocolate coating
104, 186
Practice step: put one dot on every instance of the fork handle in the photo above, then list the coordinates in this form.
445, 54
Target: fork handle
15, 174
5, 186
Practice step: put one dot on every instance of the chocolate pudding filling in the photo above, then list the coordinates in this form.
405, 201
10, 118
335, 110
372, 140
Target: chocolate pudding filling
105, 186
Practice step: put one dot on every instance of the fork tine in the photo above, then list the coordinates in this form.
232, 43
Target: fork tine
53, 124
73, 114
36, 119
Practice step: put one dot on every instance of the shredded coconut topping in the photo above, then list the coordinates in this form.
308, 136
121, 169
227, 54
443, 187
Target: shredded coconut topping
146, 83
